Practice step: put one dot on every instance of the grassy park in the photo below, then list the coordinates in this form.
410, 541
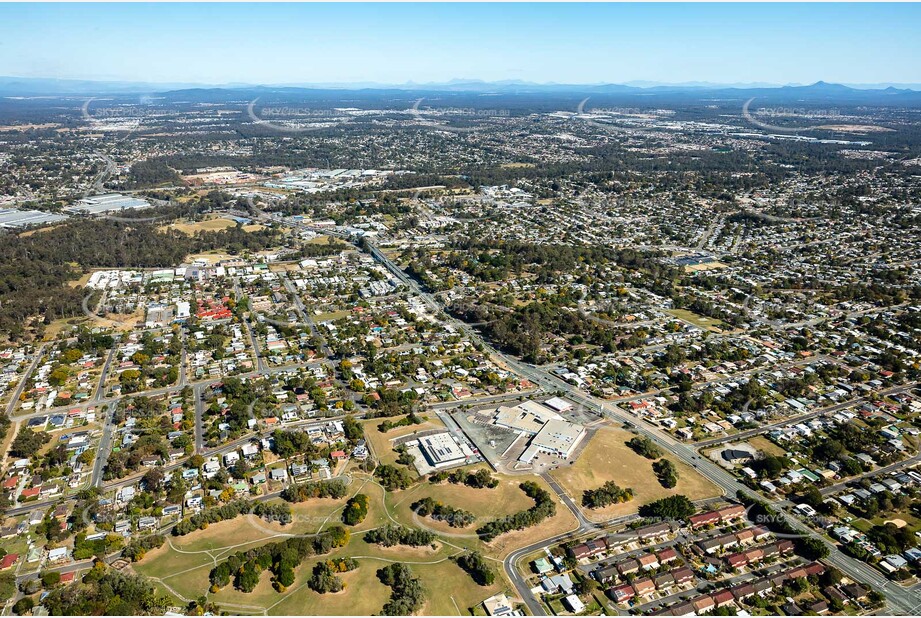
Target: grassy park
608, 458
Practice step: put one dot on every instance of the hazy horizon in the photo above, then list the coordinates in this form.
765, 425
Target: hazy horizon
272, 44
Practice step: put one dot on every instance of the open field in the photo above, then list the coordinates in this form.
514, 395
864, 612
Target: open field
193, 227
382, 443
37, 230
697, 320
608, 458
331, 316
212, 257
900, 518
505, 499
714, 265
327, 240
364, 594
763, 444
181, 567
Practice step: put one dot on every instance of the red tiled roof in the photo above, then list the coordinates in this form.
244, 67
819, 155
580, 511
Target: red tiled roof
8, 561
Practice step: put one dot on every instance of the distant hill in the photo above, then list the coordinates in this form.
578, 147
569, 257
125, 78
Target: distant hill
819, 92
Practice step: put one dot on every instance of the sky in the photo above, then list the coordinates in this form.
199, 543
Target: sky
424, 43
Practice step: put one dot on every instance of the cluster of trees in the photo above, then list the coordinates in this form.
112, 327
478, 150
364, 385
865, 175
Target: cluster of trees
410, 419
84, 549
270, 512
356, 509
478, 568
287, 444
321, 489
105, 591
645, 447
456, 518
404, 456
281, 558
28, 442
5, 424
544, 507
609, 493
667, 473
151, 173
770, 466
389, 535
671, 507
137, 548
479, 479
128, 460
324, 578
390, 402
891, 539
407, 594
523, 330
392, 477
352, 428
511, 256
665, 470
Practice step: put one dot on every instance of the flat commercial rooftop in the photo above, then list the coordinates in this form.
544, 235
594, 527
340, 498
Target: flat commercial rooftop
528, 417
441, 449
557, 437
11, 218
110, 202
436, 451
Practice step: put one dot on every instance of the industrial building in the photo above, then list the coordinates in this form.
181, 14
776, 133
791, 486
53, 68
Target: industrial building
110, 202
527, 417
557, 438
442, 450
13, 219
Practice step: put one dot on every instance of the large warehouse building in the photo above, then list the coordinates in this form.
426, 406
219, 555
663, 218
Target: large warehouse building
19, 219
557, 438
441, 450
110, 202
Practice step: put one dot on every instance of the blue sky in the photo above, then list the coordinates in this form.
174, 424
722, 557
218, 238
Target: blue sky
398, 43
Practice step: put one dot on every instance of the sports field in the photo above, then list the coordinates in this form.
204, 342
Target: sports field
697, 320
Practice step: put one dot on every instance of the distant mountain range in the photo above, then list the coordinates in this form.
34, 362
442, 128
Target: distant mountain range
31, 86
